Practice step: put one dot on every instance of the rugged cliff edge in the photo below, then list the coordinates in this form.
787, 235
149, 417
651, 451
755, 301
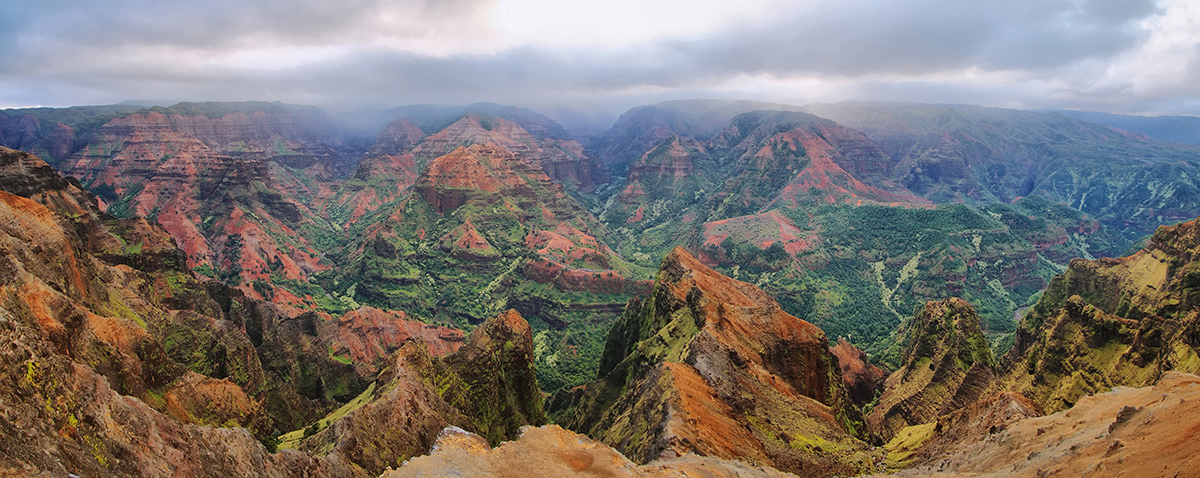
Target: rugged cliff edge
1112, 322
487, 386
120, 362
711, 365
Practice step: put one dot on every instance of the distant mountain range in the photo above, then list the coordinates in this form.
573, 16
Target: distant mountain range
1171, 129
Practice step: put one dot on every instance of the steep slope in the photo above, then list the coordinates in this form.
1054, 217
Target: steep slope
713, 366
780, 156
1171, 129
432, 118
64, 419
760, 161
486, 229
103, 320
864, 380
957, 152
668, 179
1112, 322
552, 451
123, 363
947, 366
487, 386
54, 134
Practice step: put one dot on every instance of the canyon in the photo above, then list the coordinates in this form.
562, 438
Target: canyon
707, 288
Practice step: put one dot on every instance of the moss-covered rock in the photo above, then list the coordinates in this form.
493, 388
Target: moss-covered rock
1111, 322
947, 365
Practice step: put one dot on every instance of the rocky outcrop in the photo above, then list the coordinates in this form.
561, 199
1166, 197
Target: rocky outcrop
947, 365
552, 451
711, 365
1112, 322
122, 362
488, 386
491, 378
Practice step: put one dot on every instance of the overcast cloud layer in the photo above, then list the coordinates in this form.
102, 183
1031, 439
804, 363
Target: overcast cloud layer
1126, 56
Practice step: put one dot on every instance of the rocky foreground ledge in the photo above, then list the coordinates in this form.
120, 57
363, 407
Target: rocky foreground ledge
553, 451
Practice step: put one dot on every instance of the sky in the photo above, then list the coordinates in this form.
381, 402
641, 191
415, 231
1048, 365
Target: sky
1122, 56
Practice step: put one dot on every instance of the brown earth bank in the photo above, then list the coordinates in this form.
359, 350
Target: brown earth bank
1148, 431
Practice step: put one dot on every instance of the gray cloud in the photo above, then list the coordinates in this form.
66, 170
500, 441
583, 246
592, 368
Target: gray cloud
93, 52
919, 36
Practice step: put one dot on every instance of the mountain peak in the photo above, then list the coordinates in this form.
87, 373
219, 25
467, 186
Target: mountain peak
701, 362
948, 365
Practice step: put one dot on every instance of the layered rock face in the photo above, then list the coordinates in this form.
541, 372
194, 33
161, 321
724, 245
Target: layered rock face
800, 155
54, 134
368, 336
563, 160
487, 386
486, 227
552, 451
1112, 322
486, 206
235, 185
667, 179
948, 365
506, 204
712, 365
103, 322
804, 201
642, 128
386, 173
122, 363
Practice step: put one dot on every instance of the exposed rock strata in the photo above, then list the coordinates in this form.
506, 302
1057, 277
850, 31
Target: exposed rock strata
713, 366
948, 365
